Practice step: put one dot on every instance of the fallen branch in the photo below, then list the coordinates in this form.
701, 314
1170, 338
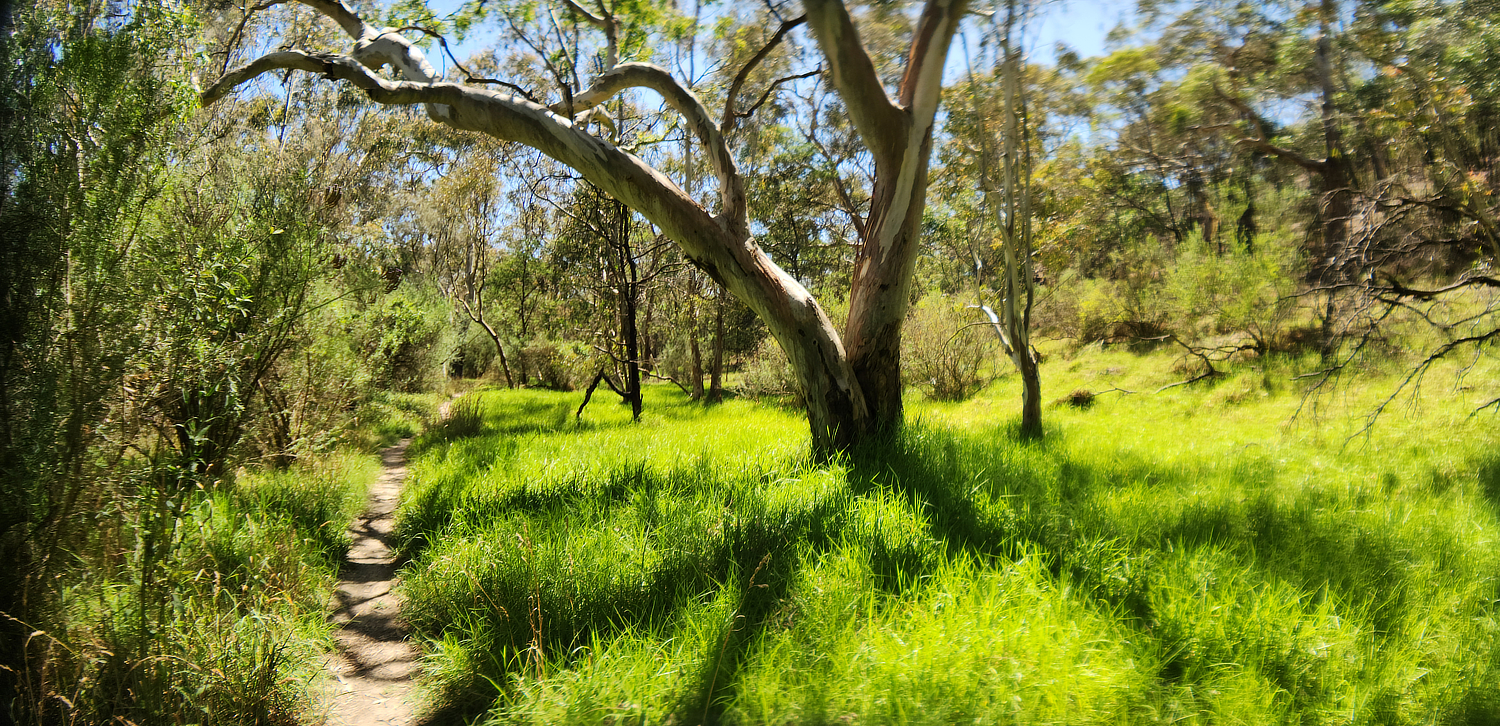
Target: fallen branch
669, 379
1211, 373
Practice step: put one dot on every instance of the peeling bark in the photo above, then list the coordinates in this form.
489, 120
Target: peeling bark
848, 392
900, 139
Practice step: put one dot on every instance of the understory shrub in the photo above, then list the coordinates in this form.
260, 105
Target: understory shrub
559, 366
768, 374
227, 627
948, 350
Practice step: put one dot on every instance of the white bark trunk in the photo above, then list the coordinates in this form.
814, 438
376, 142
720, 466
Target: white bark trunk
840, 406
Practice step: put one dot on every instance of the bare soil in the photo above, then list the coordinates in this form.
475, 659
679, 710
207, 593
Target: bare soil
373, 669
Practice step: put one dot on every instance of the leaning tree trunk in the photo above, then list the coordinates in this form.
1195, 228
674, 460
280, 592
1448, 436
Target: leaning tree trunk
499, 348
840, 406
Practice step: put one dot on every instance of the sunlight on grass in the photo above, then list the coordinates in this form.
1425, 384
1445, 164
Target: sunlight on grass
1187, 557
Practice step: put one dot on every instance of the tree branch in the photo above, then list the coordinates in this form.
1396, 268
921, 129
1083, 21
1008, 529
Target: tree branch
469, 76
686, 103
377, 49
1262, 140
606, 22
880, 122
727, 124
1401, 291
771, 89
668, 379
340, 13
922, 84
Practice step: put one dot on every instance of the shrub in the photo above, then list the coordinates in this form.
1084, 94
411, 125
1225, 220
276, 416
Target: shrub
552, 365
768, 374
943, 352
400, 343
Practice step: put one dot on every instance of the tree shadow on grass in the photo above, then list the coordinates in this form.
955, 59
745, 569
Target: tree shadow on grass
754, 551
1102, 522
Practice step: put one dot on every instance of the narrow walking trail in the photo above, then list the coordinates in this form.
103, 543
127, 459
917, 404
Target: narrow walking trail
373, 668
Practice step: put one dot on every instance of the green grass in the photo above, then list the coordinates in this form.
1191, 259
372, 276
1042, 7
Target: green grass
232, 629
1193, 556
389, 417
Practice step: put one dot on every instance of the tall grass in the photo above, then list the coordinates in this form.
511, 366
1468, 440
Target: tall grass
1187, 557
232, 630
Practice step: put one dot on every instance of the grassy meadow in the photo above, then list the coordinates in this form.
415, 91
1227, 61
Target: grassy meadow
1196, 555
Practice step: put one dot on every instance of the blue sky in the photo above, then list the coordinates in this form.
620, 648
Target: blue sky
1082, 24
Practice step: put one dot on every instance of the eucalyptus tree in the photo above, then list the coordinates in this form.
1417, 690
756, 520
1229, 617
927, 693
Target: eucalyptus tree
852, 383
1013, 213
1240, 59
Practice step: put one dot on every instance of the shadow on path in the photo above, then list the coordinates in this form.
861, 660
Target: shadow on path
374, 664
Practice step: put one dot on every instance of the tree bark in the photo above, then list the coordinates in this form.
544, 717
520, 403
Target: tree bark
899, 137
478, 317
1031, 397
1335, 207
632, 349
696, 374
848, 391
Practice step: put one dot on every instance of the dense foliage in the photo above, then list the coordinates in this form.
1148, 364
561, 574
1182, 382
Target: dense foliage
208, 316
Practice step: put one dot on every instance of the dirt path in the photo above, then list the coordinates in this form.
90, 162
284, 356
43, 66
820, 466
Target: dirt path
373, 668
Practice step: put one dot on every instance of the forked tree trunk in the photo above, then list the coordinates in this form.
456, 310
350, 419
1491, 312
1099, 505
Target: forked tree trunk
899, 137
1020, 282
848, 391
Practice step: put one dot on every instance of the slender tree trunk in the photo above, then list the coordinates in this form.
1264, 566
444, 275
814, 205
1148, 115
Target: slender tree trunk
716, 379
499, 349
632, 353
1335, 208
617, 225
696, 374
1013, 215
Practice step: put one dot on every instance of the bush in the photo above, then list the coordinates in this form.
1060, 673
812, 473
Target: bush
400, 342
556, 366
768, 374
943, 352
1225, 289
